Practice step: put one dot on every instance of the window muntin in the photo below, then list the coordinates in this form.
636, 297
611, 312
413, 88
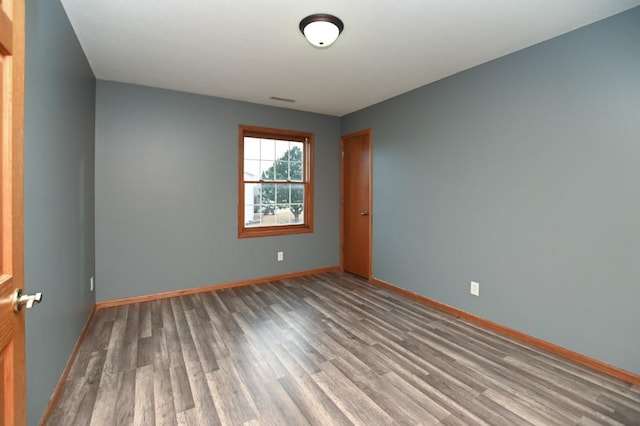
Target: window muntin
275, 191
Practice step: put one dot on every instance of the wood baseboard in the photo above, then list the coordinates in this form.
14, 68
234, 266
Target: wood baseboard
183, 292
594, 364
67, 369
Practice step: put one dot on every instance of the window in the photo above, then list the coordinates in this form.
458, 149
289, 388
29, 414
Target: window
275, 182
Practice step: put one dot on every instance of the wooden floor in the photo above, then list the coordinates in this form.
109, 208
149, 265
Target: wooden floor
328, 349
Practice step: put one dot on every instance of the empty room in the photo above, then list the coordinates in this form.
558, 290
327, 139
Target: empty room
288, 213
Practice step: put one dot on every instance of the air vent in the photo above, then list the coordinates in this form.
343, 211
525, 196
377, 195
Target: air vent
275, 98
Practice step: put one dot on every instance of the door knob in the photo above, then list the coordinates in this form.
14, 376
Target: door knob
20, 300
364, 213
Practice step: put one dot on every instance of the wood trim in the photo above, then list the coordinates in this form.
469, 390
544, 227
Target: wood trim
342, 204
12, 199
67, 369
369, 135
213, 287
370, 138
269, 231
6, 34
594, 364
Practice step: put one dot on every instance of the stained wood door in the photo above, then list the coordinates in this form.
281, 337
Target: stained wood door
12, 350
356, 203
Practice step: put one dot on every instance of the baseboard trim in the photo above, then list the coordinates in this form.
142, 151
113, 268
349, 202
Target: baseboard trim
594, 364
67, 369
213, 287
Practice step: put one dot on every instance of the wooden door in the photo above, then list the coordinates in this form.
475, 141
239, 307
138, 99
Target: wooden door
12, 355
356, 203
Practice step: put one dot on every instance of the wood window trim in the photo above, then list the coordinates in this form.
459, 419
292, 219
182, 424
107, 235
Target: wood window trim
279, 134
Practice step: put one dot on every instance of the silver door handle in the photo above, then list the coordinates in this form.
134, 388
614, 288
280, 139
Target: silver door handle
20, 300
364, 213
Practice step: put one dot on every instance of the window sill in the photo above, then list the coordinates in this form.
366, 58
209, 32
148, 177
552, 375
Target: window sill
274, 231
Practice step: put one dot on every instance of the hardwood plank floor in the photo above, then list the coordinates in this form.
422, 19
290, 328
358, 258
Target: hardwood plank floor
327, 349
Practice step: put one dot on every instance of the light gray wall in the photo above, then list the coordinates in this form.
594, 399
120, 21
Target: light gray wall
58, 196
166, 192
522, 174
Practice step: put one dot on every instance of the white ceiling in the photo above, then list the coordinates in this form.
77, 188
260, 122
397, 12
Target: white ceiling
250, 50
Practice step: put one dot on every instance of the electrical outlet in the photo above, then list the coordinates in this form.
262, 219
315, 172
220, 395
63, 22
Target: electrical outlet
92, 285
280, 256
475, 288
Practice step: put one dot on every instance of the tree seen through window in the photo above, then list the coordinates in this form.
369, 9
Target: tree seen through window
276, 187
285, 196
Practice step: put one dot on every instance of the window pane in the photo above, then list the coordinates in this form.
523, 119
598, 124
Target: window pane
298, 212
296, 150
297, 194
251, 195
268, 149
284, 201
266, 170
251, 170
276, 171
251, 148
284, 216
266, 191
283, 195
295, 171
297, 146
282, 150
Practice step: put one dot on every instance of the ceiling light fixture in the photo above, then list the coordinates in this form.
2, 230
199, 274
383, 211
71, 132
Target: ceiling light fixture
277, 98
321, 29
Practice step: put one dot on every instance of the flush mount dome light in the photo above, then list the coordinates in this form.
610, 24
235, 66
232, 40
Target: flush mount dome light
321, 29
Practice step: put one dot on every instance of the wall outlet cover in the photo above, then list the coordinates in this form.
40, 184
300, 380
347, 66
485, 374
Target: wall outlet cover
475, 288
